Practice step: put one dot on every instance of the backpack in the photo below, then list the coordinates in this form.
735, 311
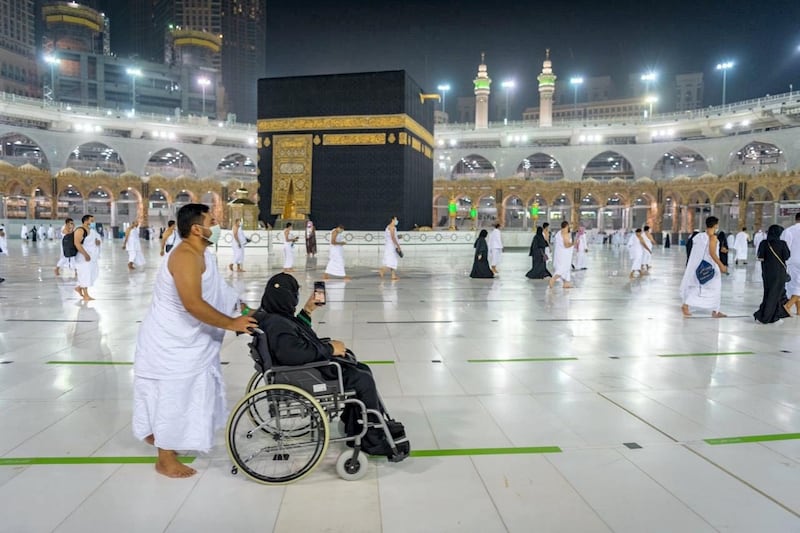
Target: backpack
68, 245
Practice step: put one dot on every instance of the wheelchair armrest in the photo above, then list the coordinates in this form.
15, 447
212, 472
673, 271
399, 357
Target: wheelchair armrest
317, 364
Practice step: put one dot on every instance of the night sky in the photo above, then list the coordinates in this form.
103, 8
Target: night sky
440, 42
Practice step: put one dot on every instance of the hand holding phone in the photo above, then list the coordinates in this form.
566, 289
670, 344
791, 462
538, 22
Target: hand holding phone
319, 293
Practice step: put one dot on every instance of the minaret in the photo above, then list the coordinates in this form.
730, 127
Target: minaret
547, 86
482, 83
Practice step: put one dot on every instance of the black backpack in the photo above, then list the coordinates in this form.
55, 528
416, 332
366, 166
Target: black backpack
68, 244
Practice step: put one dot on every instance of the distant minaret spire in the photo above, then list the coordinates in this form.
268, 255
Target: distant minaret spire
547, 86
482, 90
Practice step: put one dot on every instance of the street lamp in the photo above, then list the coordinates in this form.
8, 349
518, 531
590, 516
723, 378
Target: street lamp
204, 82
52, 61
507, 85
444, 88
651, 100
724, 67
133, 73
648, 78
575, 82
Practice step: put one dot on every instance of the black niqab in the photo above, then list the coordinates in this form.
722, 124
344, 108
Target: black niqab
281, 295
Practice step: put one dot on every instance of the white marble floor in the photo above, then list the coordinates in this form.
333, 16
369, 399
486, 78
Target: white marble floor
629, 392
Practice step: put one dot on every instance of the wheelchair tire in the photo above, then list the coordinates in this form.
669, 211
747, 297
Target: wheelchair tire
290, 440
350, 469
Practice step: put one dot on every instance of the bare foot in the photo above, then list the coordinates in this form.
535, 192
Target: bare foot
380, 272
168, 465
717, 314
241, 270
568, 285
348, 278
326, 277
58, 271
230, 267
79, 291
685, 310
87, 298
551, 282
150, 439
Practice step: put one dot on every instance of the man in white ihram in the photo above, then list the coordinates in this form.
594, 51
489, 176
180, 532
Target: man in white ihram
792, 237
740, 245
179, 397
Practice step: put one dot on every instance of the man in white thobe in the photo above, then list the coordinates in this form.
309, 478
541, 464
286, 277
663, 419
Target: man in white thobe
83, 261
495, 248
133, 246
758, 238
792, 237
179, 397
740, 245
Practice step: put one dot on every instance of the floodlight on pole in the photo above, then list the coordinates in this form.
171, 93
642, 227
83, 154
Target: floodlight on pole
575, 82
52, 61
133, 73
204, 82
648, 78
651, 100
724, 67
443, 88
507, 85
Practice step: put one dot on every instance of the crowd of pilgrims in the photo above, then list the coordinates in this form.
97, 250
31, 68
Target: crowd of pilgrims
708, 255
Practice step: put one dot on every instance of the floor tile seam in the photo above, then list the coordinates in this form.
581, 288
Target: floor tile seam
781, 402
70, 413
640, 418
704, 423
578, 493
739, 411
88, 496
488, 493
430, 425
180, 506
743, 481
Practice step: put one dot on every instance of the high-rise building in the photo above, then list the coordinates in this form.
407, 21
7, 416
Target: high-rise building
18, 62
689, 91
244, 26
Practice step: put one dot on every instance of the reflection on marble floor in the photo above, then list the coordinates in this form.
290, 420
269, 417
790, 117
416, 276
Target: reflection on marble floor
609, 372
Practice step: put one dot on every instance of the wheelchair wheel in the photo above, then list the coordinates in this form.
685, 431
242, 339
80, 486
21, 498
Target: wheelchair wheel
350, 469
256, 382
287, 444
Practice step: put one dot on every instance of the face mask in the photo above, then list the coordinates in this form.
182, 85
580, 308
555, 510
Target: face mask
215, 231
92, 226
396, 221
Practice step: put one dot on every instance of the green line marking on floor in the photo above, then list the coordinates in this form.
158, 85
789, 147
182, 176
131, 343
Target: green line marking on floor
522, 360
28, 461
485, 451
89, 362
377, 362
753, 438
709, 354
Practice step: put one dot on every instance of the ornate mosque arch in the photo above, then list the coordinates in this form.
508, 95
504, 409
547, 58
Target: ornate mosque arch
680, 161
540, 166
170, 163
128, 205
760, 208
19, 149
609, 165
473, 166
237, 166
16, 200
441, 214
589, 211
515, 216
560, 209
757, 157
70, 202
643, 210
93, 156
100, 203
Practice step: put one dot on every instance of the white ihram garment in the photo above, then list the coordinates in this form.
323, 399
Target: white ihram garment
63, 262
495, 245
792, 237
93, 249
83, 268
390, 257
238, 248
335, 265
740, 244
562, 259
580, 252
635, 252
757, 239
134, 248
179, 395
288, 251
693, 294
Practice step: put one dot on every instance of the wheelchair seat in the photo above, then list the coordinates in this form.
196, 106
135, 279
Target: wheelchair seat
307, 377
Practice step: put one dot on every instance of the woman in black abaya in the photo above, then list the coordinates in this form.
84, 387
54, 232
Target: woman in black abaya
480, 263
538, 256
773, 252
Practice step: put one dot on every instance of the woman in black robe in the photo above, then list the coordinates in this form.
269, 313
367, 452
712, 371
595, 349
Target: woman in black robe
773, 253
480, 263
723, 247
538, 256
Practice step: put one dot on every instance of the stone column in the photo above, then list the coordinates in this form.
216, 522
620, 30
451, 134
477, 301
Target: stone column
225, 209
690, 225
758, 215
54, 197
143, 207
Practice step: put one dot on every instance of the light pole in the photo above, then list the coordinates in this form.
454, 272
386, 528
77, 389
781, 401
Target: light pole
648, 78
724, 67
52, 61
133, 73
575, 82
507, 85
204, 82
444, 88
651, 100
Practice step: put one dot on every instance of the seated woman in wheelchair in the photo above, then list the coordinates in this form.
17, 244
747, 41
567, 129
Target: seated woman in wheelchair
293, 342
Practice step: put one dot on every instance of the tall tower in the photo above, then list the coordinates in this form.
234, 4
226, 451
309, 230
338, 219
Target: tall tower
547, 86
482, 83
244, 28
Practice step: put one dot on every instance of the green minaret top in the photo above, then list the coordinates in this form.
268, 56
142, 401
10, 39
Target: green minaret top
483, 81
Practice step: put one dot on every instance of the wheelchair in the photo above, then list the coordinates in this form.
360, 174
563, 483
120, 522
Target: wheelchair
280, 431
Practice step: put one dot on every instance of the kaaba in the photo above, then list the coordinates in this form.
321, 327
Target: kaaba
351, 149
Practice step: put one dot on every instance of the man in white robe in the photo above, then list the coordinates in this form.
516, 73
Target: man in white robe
495, 248
63, 261
758, 238
637, 246
83, 261
3, 245
133, 246
237, 246
740, 245
92, 245
179, 397
705, 247
792, 237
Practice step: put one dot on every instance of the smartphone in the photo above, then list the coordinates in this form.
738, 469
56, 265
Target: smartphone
319, 293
